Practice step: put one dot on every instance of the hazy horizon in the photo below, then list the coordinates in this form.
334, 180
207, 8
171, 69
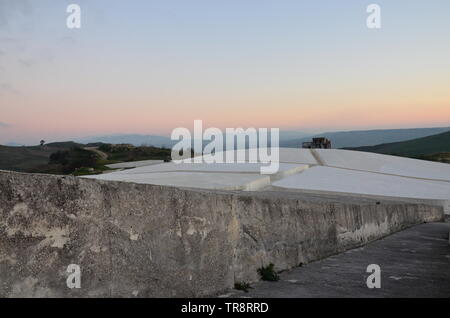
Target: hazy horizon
147, 67
93, 138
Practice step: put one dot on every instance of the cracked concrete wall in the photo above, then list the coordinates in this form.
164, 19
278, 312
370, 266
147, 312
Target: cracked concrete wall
135, 240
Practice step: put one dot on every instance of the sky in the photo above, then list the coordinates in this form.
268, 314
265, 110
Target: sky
148, 67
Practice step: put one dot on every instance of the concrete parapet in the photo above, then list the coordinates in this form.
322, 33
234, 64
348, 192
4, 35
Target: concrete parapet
138, 240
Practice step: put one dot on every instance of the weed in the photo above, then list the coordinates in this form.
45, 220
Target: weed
242, 286
268, 273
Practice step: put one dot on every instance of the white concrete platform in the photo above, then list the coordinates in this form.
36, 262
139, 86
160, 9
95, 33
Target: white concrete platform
366, 161
286, 155
134, 164
361, 182
200, 180
212, 168
224, 176
330, 170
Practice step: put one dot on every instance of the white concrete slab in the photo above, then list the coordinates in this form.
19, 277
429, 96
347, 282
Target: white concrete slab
134, 164
213, 168
291, 155
351, 181
286, 155
348, 172
384, 164
222, 181
226, 176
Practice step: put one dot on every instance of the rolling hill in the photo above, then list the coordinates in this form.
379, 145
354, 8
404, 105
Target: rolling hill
71, 157
423, 148
133, 139
23, 158
357, 138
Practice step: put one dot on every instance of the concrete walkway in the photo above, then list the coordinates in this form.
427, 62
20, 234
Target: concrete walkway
414, 263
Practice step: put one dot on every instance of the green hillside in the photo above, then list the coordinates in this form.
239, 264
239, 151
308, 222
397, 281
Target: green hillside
363, 138
24, 158
74, 158
430, 148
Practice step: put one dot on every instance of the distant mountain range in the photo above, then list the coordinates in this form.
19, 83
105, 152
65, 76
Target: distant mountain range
357, 138
163, 141
14, 144
290, 139
133, 139
412, 148
435, 147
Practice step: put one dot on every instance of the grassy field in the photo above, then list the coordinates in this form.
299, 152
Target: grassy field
73, 158
118, 153
439, 157
26, 158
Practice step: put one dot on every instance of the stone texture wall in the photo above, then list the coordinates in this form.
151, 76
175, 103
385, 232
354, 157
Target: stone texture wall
134, 240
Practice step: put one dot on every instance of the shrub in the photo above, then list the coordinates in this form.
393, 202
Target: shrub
59, 157
268, 273
242, 286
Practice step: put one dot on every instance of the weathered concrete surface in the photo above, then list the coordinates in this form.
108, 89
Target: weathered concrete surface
414, 263
135, 164
211, 176
347, 195
326, 170
152, 241
367, 183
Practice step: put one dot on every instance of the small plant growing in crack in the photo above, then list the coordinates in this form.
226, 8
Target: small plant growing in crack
242, 286
268, 273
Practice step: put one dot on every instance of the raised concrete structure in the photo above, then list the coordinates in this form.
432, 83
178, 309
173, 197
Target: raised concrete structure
139, 240
384, 164
336, 171
237, 176
134, 164
353, 181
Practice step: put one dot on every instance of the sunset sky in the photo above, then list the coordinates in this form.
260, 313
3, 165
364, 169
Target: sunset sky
151, 66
